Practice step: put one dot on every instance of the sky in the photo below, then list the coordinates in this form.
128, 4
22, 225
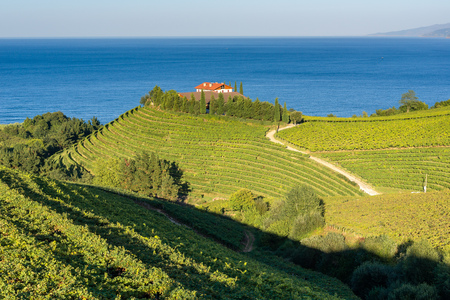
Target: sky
185, 18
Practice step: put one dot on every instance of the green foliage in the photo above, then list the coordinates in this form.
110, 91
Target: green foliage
107, 172
401, 217
403, 169
202, 103
382, 246
419, 263
144, 173
300, 213
376, 134
242, 200
28, 146
276, 113
296, 117
410, 102
62, 240
285, 117
442, 104
370, 275
416, 292
217, 154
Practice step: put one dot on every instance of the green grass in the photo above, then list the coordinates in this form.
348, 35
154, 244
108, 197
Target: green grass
62, 240
402, 216
218, 155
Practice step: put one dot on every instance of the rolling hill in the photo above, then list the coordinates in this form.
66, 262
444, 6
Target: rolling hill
395, 152
218, 155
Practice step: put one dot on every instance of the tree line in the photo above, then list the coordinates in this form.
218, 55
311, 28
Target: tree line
27, 146
237, 106
408, 102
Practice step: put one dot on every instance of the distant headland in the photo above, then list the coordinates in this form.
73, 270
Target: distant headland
438, 30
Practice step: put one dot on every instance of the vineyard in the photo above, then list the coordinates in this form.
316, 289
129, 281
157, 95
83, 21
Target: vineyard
63, 240
217, 154
403, 169
400, 216
370, 133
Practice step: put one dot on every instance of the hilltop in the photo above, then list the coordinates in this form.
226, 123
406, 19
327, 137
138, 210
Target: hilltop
439, 30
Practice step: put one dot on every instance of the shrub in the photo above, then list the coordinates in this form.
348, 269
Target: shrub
419, 263
242, 200
381, 246
369, 275
304, 224
416, 292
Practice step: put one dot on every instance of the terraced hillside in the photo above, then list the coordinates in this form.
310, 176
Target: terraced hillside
218, 155
67, 241
398, 151
400, 216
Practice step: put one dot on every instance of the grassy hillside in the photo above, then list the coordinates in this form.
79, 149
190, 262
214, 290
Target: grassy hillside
399, 216
62, 240
423, 129
218, 155
404, 169
396, 152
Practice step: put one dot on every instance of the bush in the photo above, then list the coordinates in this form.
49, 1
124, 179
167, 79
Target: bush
419, 263
413, 292
304, 224
381, 246
369, 275
242, 200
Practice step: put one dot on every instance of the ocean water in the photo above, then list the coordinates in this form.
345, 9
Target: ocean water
318, 76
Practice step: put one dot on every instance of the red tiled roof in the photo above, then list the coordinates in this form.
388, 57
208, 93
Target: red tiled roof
212, 86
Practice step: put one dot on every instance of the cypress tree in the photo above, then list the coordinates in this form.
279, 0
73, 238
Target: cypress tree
285, 114
212, 105
202, 103
241, 90
196, 108
220, 105
235, 87
184, 107
276, 113
192, 104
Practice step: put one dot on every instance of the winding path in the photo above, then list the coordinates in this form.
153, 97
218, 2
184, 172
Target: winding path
363, 186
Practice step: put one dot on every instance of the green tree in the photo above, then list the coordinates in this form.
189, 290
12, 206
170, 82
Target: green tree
212, 105
184, 105
202, 103
296, 117
192, 104
235, 86
276, 114
241, 90
242, 200
220, 105
285, 117
410, 102
196, 108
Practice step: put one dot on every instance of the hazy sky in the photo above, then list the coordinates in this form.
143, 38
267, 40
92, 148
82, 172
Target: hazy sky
146, 18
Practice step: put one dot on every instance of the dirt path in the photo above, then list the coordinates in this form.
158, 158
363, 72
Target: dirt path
363, 186
249, 241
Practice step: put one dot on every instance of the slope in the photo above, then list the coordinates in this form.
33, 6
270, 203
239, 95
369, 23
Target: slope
61, 240
395, 152
218, 154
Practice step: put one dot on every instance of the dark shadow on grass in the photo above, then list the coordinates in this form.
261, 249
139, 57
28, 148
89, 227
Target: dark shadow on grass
402, 274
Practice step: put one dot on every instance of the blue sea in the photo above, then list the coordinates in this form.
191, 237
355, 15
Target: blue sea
318, 76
